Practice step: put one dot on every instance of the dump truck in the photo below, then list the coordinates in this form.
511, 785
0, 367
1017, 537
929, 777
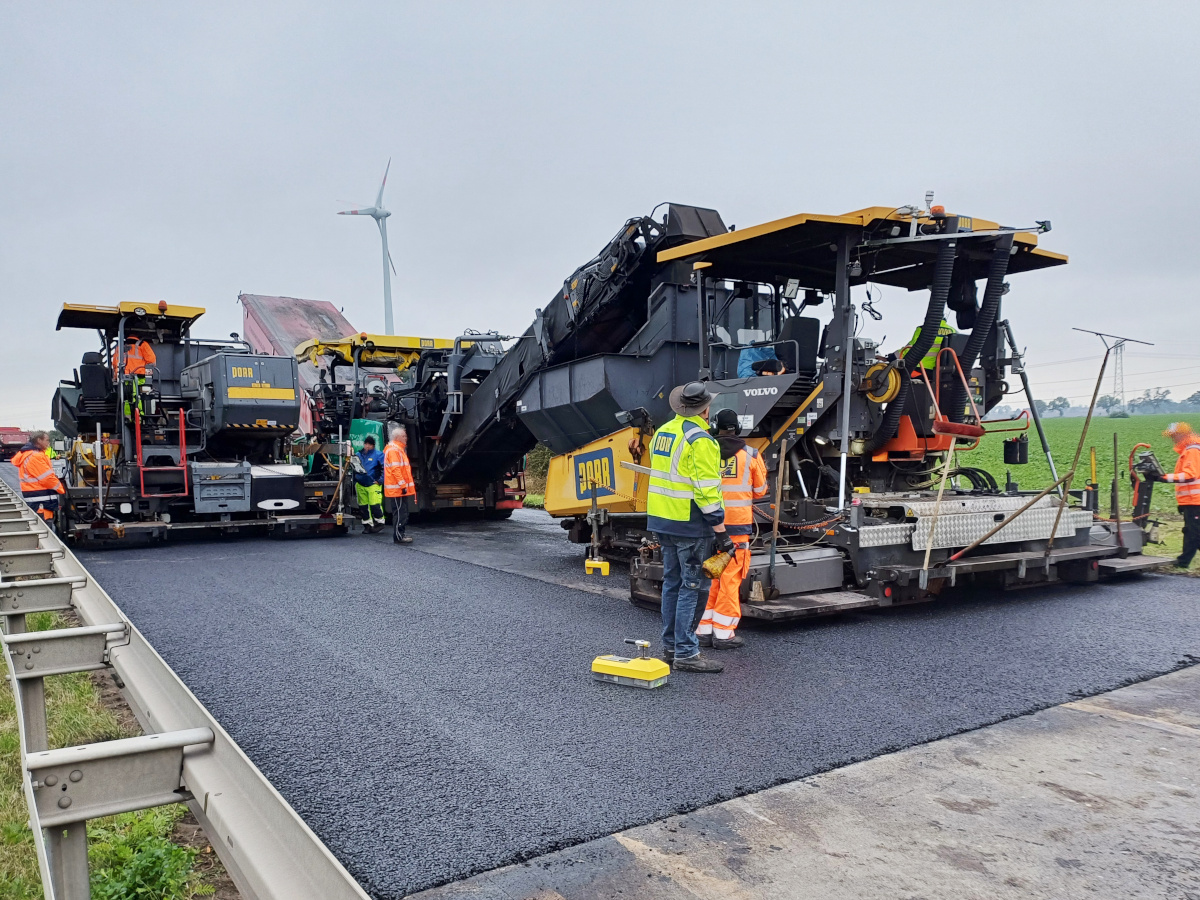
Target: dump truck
195, 442
12, 440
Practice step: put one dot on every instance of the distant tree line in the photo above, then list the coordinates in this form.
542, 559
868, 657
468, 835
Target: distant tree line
1154, 400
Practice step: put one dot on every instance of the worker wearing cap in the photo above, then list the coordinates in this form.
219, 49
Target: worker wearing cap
743, 480
40, 487
684, 510
368, 484
1186, 479
398, 483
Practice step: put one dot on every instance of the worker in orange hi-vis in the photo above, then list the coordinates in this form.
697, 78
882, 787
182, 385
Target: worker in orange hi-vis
1186, 479
743, 480
138, 355
40, 487
398, 484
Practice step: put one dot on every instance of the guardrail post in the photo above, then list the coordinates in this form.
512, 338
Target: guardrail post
62, 651
66, 845
75, 784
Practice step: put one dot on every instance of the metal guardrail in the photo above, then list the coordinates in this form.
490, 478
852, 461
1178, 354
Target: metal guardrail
184, 755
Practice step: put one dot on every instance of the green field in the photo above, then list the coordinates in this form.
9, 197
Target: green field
1063, 435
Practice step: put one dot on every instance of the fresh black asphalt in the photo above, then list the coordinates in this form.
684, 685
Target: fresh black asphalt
431, 718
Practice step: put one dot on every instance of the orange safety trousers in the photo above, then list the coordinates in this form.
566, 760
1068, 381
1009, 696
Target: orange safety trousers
724, 609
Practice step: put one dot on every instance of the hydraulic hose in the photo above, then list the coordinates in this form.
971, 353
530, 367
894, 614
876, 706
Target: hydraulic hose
943, 270
983, 323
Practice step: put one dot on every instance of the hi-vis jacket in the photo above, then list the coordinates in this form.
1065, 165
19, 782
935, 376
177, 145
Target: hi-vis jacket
743, 480
930, 359
684, 496
137, 356
36, 473
1186, 476
397, 472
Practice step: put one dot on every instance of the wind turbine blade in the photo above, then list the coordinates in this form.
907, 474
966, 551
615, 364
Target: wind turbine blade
359, 212
383, 184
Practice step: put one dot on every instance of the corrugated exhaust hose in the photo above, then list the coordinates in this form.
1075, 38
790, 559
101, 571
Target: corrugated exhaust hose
943, 271
983, 323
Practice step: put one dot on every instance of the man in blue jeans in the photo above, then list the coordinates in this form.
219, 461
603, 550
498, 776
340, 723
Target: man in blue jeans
684, 509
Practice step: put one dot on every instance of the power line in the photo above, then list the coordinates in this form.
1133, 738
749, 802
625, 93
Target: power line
1131, 375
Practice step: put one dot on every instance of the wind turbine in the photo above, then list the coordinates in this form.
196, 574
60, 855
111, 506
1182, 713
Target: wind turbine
379, 214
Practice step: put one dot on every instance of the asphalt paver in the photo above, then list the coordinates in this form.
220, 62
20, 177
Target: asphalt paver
432, 718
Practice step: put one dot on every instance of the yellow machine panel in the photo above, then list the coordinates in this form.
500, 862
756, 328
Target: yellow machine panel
618, 489
385, 351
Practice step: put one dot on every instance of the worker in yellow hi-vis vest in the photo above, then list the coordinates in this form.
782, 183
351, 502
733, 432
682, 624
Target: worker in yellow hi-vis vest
684, 509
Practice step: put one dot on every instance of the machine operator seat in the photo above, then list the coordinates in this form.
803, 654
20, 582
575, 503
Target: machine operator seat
800, 357
95, 378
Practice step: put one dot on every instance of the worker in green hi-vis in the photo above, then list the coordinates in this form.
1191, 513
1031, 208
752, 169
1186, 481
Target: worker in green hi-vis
368, 485
929, 361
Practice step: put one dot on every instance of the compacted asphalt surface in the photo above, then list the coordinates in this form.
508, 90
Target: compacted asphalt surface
432, 718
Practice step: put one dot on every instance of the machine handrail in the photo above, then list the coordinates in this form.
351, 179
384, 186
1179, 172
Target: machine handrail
143, 469
1022, 415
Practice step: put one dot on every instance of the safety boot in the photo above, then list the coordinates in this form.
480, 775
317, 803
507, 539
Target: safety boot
706, 640
731, 644
698, 664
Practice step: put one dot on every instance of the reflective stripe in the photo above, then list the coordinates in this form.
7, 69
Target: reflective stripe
679, 480
723, 611
671, 477
670, 492
739, 488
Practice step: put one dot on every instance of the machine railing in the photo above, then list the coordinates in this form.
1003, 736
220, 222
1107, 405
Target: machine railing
942, 425
184, 755
143, 468
1022, 416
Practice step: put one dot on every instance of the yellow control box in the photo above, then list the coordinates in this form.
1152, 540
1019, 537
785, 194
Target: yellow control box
640, 671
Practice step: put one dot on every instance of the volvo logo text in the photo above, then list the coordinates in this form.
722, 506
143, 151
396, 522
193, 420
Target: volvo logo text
760, 392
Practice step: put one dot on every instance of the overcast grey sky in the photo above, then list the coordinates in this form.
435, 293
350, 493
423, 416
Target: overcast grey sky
154, 151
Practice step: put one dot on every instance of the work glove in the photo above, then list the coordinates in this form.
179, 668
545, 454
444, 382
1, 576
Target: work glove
1154, 476
723, 543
